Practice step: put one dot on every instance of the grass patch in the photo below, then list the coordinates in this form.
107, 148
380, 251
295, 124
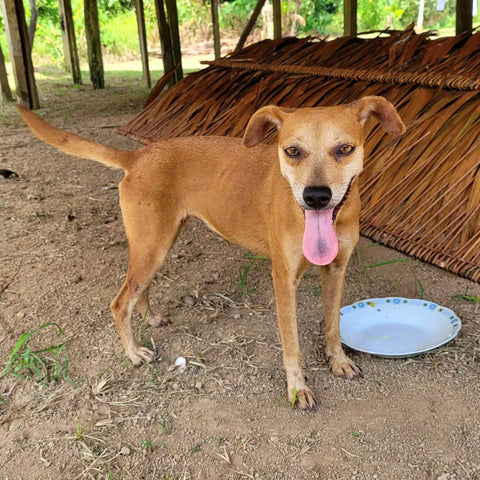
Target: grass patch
150, 443
317, 291
242, 283
163, 426
243, 274
466, 296
388, 262
45, 365
422, 290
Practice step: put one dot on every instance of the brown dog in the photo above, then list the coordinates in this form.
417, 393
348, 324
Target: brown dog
296, 201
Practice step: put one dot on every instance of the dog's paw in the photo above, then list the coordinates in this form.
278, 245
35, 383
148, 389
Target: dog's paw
141, 355
157, 320
303, 399
342, 366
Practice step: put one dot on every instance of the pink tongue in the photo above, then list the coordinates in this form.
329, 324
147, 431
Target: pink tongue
320, 244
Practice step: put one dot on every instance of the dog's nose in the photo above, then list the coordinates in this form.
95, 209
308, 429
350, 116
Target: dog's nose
317, 197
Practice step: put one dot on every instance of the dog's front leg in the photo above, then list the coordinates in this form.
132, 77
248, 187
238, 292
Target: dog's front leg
333, 281
285, 282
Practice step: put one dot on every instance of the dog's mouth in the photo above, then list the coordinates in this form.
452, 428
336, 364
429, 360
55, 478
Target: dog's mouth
320, 243
342, 201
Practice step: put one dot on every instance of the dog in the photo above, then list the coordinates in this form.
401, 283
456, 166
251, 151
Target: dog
295, 200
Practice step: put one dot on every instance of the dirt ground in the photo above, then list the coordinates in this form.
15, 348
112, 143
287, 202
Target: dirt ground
63, 257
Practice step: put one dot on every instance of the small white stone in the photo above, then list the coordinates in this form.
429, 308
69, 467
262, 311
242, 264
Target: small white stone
188, 300
180, 364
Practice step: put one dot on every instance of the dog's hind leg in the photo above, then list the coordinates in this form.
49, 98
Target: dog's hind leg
143, 302
149, 244
145, 310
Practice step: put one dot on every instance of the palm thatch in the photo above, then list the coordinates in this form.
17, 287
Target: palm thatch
420, 192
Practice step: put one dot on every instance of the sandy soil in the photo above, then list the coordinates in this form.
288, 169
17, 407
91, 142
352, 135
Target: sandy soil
63, 258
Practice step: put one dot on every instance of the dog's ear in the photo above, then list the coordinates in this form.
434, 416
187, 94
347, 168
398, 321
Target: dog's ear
382, 110
262, 122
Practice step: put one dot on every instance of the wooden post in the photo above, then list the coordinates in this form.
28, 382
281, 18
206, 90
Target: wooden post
349, 18
463, 20
32, 26
277, 19
4, 86
70, 52
142, 40
19, 47
172, 16
94, 46
169, 39
251, 23
216, 30
165, 41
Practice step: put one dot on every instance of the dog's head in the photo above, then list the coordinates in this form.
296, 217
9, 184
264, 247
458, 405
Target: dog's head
321, 152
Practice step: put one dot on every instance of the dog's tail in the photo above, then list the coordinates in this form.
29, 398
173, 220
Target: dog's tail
73, 144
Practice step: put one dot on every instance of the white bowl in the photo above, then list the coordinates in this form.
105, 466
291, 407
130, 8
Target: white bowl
397, 327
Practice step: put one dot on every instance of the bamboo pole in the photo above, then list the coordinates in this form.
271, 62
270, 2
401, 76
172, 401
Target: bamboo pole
165, 41
4, 86
463, 20
350, 17
142, 40
172, 16
277, 19
216, 29
251, 23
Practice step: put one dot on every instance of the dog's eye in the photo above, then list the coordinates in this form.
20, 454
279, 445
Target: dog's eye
293, 152
344, 150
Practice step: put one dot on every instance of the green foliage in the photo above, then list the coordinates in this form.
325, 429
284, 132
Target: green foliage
432, 17
398, 14
319, 15
127, 43
299, 17
47, 10
194, 18
115, 7
234, 15
47, 44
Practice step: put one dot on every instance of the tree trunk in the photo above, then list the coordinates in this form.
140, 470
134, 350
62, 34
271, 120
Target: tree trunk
94, 46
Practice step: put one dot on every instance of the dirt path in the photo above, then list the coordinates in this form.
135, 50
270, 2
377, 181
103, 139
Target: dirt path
63, 258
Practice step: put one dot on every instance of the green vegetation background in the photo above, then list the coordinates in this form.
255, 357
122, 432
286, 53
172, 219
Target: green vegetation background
300, 17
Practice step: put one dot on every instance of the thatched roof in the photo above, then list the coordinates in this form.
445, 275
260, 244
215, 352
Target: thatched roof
420, 192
